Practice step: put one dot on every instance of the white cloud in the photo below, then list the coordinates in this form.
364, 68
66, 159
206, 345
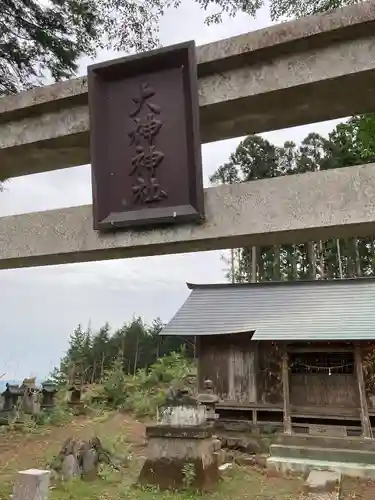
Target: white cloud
41, 307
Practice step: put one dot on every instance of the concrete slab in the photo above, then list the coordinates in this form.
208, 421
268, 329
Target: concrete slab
325, 453
307, 441
322, 481
284, 465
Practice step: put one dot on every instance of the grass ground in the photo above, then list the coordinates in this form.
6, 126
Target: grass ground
126, 435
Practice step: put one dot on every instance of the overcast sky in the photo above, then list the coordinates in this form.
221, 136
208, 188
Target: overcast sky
41, 307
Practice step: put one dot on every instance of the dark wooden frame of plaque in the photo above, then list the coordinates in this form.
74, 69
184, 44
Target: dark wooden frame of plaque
176, 56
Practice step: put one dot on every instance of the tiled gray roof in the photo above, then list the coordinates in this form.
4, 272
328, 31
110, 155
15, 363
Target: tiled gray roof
304, 310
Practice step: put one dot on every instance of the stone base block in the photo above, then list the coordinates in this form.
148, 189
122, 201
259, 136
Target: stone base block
220, 457
216, 444
77, 407
177, 474
321, 481
180, 462
179, 432
32, 484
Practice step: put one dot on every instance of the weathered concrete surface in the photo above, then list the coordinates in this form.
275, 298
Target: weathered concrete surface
220, 457
289, 74
298, 208
306, 441
31, 484
173, 463
182, 415
324, 453
283, 465
323, 481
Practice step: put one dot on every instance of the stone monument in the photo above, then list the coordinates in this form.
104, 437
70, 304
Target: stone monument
49, 391
181, 448
11, 397
75, 395
30, 399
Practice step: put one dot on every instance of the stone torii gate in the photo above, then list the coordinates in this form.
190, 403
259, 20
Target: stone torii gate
294, 73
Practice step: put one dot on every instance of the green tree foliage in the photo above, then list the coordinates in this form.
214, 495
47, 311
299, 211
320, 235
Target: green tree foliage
299, 8
46, 38
41, 38
145, 391
350, 143
91, 356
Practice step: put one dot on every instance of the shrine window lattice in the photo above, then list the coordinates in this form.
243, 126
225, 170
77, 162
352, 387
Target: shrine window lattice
328, 363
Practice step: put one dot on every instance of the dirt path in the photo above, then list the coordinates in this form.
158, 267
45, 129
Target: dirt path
20, 451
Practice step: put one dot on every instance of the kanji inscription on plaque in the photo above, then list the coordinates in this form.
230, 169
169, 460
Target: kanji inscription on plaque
145, 145
147, 158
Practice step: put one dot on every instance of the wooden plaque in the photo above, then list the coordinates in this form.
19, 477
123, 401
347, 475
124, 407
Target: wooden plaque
145, 143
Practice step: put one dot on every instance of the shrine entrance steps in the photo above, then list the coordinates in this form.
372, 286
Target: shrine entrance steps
353, 457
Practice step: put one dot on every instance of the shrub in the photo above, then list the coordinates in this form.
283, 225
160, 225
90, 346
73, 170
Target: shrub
59, 415
144, 392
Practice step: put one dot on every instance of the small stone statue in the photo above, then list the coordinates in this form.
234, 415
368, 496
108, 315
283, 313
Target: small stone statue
208, 386
81, 458
178, 397
209, 399
173, 395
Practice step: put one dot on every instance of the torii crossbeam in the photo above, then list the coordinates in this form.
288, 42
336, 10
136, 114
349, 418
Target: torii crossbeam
310, 70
